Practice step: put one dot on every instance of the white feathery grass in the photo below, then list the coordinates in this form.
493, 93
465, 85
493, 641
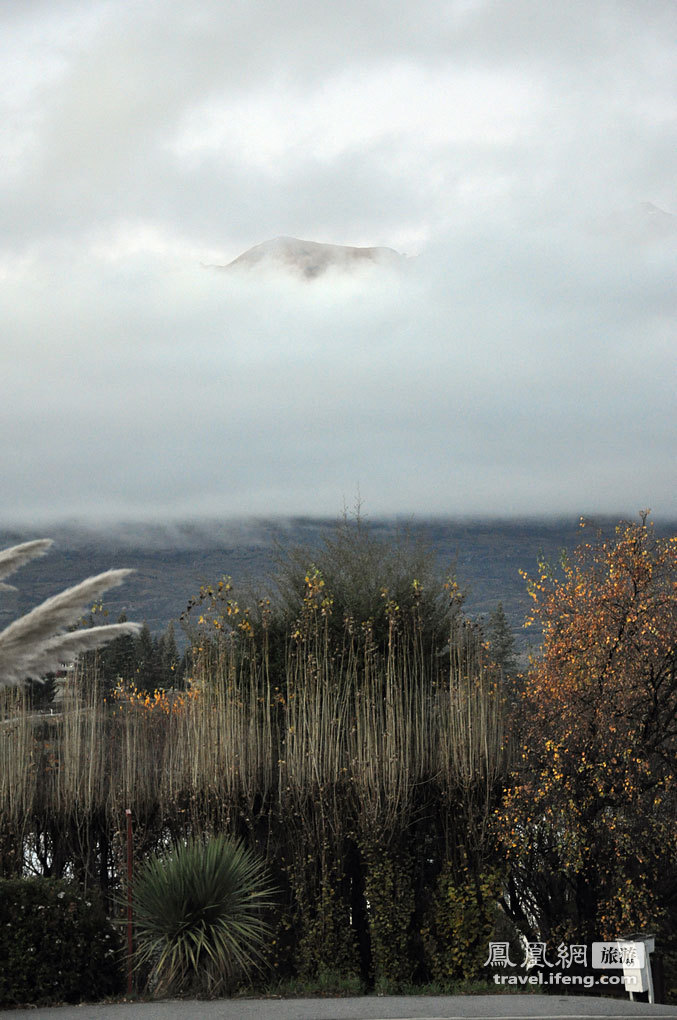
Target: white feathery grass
66, 647
35, 644
14, 557
56, 613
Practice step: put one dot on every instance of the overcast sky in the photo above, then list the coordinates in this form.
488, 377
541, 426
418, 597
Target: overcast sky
524, 362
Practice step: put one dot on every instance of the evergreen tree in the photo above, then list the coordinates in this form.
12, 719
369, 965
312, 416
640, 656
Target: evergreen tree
148, 668
501, 642
169, 658
41, 692
118, 661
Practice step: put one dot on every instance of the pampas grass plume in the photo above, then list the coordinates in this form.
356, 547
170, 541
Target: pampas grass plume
36, 644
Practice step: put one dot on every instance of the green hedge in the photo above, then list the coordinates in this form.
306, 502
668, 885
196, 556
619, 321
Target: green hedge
56, 944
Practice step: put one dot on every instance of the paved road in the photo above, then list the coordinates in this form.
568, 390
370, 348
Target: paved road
390, 1007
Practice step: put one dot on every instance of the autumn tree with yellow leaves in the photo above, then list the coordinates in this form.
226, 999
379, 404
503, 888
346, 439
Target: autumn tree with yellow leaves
589, 820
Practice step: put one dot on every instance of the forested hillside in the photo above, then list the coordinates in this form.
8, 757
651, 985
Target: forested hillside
173, 560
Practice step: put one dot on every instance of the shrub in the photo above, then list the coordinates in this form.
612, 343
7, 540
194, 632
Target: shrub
199, 915
390, 896
462, 922
56, 944
364, 575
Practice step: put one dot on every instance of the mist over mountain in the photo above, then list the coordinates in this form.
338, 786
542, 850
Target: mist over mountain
521, 363
641, 225
310, 259
172, 559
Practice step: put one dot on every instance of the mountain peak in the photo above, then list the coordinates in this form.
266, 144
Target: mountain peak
310, 259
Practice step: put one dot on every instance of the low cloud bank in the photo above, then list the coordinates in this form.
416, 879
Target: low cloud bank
508, 370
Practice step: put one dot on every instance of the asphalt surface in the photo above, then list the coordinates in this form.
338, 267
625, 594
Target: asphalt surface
389, 1007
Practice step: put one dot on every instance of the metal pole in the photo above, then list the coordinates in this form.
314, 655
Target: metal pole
128, 813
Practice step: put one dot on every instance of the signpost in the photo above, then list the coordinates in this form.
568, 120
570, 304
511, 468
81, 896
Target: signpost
638, 965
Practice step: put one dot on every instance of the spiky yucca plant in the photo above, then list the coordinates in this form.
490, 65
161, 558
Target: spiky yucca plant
200, 916
36, 644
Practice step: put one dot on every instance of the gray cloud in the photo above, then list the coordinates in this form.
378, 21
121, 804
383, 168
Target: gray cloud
523, 364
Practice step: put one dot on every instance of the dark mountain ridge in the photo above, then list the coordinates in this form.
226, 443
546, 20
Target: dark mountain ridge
172, 560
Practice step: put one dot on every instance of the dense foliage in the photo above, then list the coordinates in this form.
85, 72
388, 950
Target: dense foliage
364, 575
358, 733
368, 769
589, 819
55, 944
